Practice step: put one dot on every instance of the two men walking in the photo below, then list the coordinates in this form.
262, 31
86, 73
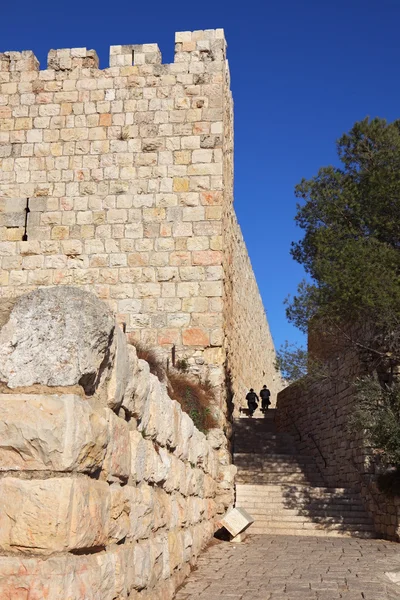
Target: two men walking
252, 400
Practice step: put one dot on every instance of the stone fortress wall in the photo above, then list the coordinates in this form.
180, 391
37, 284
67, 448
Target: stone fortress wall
128, 174
107, 488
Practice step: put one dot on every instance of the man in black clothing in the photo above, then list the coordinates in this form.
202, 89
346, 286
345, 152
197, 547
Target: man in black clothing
252, 403
265, 401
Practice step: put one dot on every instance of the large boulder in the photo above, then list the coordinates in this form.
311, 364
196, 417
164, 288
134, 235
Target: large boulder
59, 336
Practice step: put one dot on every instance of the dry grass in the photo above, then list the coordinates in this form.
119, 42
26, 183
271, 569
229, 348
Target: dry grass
196, 399
151, 357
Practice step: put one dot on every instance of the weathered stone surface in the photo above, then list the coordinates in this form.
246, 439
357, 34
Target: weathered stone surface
89, 577
138, 389
216, 438
56, 337
54, 515
121, 372
59, 433
117, 462
186, 432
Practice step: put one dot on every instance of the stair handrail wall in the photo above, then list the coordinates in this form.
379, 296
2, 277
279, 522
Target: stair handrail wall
295, 426
310, 435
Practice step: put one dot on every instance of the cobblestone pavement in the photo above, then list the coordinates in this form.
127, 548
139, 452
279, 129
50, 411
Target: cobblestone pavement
267, 567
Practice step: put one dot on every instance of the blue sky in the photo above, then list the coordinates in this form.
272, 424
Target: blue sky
302, 73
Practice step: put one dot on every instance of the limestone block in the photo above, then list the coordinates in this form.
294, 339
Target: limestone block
141, 515
173, 433
138, 389
149, 417
236, 521
142, 565
185, 433
162, 508
165, 464
117, 462
175, 549
120, 508
58, 337
216, 438
54, 515
164, 421
88, 577
138, 447
121, 372
60, 433
198, 448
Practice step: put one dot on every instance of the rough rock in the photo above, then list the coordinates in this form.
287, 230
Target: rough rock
216, 438
49, 432
56, 337
121, 372
138, 388
54, 515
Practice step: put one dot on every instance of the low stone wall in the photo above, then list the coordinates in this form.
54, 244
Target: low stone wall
108, 490
317, 414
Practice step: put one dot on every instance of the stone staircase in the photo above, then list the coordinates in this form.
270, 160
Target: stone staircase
285, 491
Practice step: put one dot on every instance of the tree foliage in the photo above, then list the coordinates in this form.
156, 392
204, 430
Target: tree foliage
350, 216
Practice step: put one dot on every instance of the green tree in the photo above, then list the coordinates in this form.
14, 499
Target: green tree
350, 215
350, 250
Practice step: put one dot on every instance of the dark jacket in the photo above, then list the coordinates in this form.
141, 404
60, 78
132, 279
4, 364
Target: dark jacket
265, 394
251, 398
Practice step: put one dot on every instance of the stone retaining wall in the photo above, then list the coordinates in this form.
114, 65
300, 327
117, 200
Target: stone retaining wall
107, 488
316, 413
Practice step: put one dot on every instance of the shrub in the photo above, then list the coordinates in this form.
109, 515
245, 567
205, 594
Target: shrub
182, 365
196, 399
389, 482
150, 356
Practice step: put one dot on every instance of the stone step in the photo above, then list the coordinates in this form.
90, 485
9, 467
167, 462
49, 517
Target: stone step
273, 478
274, 507
265, 449
302, 489
244, 477
298, 497
256, 470
271, 466
276, 457
264, 530
310, 526
328, 499
328, 520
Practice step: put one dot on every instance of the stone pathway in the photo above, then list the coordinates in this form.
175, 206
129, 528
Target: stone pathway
269, 567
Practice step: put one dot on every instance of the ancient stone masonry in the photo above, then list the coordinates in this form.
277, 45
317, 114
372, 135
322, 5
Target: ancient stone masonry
120, 181
107, 489
317, 413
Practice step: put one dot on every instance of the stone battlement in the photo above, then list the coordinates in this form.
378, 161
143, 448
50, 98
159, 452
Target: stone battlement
188, 45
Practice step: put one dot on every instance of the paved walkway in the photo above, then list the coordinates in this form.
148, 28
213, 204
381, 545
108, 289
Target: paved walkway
269, 567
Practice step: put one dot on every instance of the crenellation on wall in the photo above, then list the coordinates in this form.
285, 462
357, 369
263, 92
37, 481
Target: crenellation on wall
18, 62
